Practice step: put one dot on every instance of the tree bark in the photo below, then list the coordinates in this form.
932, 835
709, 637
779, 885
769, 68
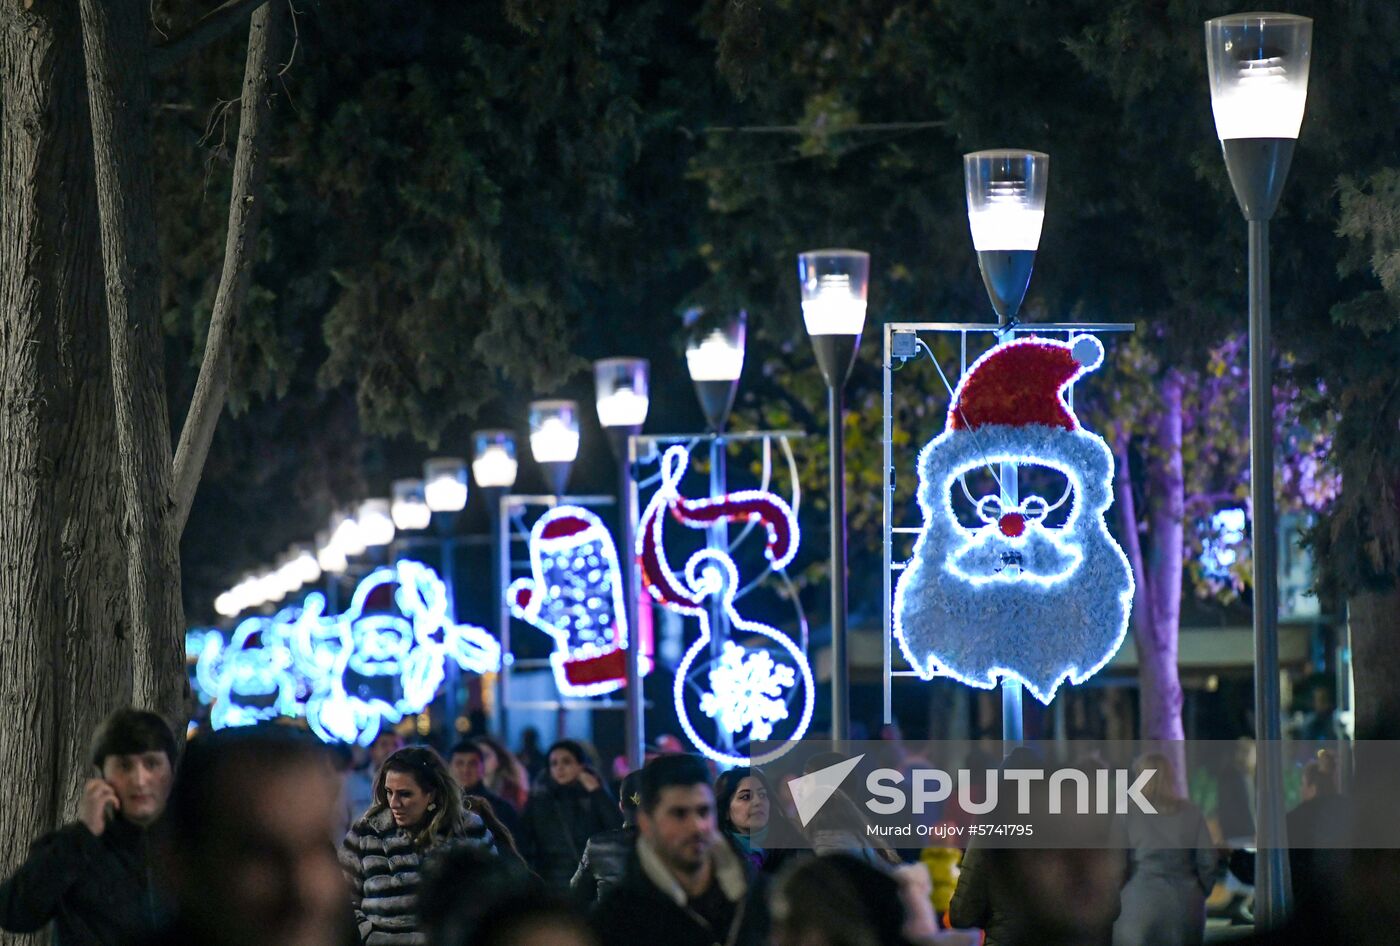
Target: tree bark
245, 209
61, 666
1157, 638
1375, 661
114, 38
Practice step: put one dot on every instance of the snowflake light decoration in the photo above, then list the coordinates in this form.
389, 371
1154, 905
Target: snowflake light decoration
746, 690
710, 574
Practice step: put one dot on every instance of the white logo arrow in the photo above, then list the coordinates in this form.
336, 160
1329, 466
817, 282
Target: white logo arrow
811, 791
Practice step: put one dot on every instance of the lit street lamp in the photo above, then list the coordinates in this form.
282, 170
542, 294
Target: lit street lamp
1006, 190
376, 523
1006, 210
494, 467
554, 440
445, 484
1258, 68
410, 510
834, 286
714, 355
622, 395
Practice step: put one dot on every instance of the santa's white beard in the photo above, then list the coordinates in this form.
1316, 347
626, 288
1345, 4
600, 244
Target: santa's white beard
1041, 633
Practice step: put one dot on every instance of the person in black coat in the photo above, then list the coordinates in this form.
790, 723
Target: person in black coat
568, 808
92, 877
606, 854
685, 884
468, 766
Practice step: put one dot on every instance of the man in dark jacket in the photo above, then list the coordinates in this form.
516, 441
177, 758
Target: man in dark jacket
468, 767
92, 878
684, 886
606, 854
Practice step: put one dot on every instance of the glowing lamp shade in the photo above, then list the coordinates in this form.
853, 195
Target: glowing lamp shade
716, 352
376, 522
409, 506
554, 431
345, 535
270, 586
1258, 68
288, 574
446, 484
329, 555
1006, 198
834, 284
494, 464
227, 604
303, 560
621, 384
247, 593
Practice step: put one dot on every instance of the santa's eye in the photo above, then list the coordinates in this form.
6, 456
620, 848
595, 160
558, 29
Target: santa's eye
1044, 496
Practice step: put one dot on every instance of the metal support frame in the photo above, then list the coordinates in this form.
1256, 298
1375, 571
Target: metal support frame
1011, 691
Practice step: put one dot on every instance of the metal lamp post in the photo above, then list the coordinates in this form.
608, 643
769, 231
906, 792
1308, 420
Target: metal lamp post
494, 467
834, 286
622, 400
554, 440
1258, 68
1006, 211
714, 356
445, 493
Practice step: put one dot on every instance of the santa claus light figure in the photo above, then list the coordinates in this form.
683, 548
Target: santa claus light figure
1013, 596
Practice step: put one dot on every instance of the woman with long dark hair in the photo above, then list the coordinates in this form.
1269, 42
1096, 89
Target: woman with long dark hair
748, 816
503, 772
568, 807
416, 815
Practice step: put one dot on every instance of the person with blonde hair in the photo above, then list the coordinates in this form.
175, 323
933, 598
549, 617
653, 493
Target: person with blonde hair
1172, 865
417, 815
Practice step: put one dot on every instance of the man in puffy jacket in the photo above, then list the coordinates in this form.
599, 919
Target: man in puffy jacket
92, 877
606, 854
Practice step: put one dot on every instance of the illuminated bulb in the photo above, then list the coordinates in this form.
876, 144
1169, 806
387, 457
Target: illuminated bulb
624, 407
1007, 222
307, 568
347, 538
375, 523
331, 559
713, 358
270, 587
835, 310
446, 484
494, 467
1263, 102
554, 442
410, 510
227, 604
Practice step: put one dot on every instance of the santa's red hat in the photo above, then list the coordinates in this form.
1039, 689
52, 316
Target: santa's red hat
1022, 383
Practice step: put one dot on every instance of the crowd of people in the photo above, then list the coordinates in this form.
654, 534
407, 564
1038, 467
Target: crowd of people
244, 838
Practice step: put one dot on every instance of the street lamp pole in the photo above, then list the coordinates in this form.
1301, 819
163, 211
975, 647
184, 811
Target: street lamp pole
1258, 67
494, 467
834, 286
1006, 212
622, 390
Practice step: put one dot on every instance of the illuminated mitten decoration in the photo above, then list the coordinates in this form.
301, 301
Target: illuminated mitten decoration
1013, 597
574, 595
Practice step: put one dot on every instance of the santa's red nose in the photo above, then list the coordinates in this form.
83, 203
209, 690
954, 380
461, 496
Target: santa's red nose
1012, 524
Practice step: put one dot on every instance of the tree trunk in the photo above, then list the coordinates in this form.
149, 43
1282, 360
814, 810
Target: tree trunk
114, 39
62, 667
1375, 661
1157, 638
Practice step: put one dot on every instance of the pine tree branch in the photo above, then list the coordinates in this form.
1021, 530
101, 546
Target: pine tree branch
210, 28
244, 213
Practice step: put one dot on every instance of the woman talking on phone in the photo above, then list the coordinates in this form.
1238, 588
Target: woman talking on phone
417, 814
91, 877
